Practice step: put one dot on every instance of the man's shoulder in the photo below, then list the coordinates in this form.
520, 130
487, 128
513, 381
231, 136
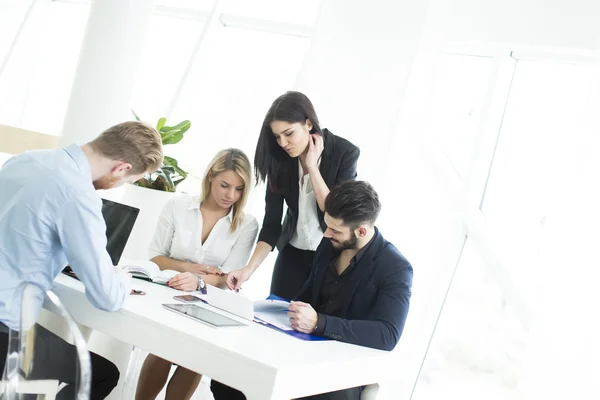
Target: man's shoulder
390, 260
323, 247
50, 172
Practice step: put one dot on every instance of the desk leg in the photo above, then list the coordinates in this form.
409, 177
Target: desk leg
133, 373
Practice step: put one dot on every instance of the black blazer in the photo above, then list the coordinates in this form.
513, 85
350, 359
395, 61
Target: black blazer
374, 300
338, 164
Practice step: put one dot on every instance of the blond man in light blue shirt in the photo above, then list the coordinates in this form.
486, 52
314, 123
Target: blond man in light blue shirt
51, 216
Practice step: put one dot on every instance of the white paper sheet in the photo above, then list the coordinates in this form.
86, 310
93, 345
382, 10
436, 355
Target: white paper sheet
279, 319
270, 305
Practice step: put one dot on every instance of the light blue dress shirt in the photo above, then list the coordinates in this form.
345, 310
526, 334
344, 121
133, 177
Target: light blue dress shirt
51, 216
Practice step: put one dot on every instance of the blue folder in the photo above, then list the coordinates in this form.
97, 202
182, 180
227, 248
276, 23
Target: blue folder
291, 332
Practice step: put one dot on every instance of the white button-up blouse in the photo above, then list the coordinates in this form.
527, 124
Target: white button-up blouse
179, 236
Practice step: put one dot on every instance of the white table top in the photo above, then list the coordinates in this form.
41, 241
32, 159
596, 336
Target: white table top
240, 356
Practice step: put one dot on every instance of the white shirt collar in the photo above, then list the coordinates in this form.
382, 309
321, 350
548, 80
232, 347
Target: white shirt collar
195, 205
302, 171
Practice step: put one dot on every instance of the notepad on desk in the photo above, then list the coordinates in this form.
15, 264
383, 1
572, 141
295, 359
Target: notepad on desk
148, 270
272, 312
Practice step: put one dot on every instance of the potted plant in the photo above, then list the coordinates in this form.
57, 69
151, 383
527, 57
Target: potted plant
169, 175
151, 193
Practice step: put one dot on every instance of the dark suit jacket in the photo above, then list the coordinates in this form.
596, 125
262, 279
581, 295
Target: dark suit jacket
374, 301
338, 164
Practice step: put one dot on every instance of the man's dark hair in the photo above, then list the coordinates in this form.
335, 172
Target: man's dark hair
354, 202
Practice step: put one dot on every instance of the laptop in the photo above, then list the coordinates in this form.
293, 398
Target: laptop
119, 219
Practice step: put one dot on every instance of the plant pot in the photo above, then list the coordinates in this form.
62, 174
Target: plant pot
151, 203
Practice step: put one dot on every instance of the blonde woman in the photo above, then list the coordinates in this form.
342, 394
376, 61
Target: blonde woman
204, 238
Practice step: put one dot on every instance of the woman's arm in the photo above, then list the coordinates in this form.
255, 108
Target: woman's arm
319, 186
235, 279
165, 262
346, 171
239, 253
271, 227
267, 239
189, 282
260, 253
315, 150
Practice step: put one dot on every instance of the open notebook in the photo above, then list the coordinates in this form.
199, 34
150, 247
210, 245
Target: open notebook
147, 270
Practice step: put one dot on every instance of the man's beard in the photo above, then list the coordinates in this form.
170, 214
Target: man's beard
349, 244
106, 182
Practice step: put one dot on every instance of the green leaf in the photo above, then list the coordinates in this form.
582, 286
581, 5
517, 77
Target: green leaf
161, 122
173, 162
182, 126
170, 174
143, 183
166, 180
177, 182
185, 128
172, 137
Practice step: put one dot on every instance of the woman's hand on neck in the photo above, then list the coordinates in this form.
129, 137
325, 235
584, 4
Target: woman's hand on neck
302, 158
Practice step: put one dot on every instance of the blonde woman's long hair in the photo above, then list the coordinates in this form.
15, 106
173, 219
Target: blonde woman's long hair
230, 160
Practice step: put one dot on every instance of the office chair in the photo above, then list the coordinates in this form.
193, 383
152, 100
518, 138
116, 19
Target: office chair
18, 379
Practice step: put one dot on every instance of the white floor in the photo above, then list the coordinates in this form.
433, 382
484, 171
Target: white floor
202, 393
128, 390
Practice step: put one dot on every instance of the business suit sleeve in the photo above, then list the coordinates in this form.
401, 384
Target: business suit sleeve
271, 228
348, 165
384, 327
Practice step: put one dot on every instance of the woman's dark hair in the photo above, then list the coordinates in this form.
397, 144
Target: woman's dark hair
271, 162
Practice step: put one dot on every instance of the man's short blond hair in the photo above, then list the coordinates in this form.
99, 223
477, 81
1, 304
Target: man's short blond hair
133, 142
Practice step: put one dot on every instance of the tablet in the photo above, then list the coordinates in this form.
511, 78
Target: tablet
203, 315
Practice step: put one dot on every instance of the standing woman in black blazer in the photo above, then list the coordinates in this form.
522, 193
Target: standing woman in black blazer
300, 162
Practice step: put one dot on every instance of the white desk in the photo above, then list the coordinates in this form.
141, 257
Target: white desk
261, 362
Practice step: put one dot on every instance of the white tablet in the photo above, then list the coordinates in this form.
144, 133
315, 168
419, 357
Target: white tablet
203, 315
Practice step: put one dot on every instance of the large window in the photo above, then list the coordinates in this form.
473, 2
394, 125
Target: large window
36, 81
168, 52
454, 114
478, 347
222, 79
538, 156
520, 287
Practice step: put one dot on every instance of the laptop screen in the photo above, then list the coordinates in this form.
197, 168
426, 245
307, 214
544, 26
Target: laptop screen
119, 219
